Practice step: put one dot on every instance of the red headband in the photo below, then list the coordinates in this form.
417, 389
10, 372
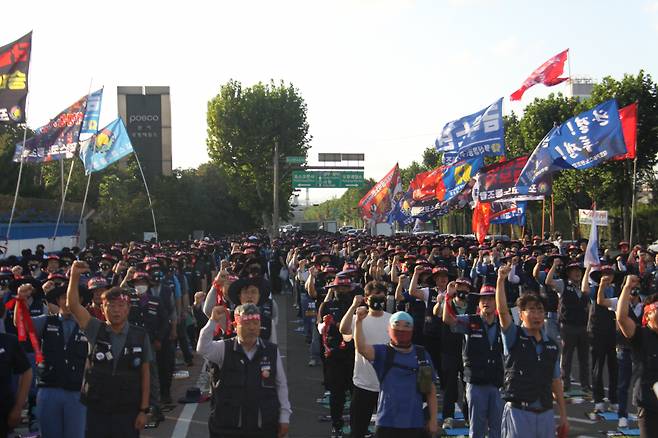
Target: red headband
648, 308
239, 319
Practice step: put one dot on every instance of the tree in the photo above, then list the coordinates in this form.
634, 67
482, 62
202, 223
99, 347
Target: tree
629, 89
243, 126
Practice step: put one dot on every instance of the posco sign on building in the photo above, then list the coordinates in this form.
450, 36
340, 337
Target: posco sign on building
147, 114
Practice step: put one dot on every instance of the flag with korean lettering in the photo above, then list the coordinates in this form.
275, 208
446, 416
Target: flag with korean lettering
14, 66
586, 140
56, 140
93, 114
508, 213
109, 145
481, 134
500, 182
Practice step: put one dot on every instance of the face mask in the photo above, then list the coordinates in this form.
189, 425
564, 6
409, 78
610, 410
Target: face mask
141, 288
400, 338
158, 276
376, 302
461, 294
4, 284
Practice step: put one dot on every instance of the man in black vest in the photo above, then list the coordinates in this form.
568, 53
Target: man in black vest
644, 342
338, 354
65, 350
532, 369
573, 315
483, 361
251, 397
116, 382
151, 312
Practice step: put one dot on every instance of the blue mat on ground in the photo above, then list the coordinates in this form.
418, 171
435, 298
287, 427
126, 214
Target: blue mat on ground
456, 431
458, 415
613, 416
630, 432
609, 416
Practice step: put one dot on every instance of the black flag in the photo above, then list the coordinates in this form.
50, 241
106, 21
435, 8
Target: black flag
14, 65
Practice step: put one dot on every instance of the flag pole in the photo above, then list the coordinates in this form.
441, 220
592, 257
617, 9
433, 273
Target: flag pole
66, 189
20, 173
543, 216
82, 211
148, 194
61, 177
630, 238
552, 214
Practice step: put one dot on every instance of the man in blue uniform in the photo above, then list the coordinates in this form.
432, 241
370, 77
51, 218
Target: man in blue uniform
532, 369
59, 379
483, 361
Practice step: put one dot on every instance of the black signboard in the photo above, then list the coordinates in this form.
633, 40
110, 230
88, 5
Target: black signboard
144, 126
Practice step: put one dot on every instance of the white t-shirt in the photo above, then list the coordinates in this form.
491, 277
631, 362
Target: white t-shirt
375, 331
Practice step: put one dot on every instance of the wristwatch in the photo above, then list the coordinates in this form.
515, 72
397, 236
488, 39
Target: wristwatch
145, 410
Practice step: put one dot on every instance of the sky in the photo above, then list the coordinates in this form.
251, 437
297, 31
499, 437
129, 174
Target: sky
380, 77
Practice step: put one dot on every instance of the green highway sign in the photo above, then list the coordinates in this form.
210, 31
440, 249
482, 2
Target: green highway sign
295, 160
327, 179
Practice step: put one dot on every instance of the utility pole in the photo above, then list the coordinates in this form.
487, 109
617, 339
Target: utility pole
275, 209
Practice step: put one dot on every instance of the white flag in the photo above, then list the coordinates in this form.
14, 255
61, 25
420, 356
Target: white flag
592, 251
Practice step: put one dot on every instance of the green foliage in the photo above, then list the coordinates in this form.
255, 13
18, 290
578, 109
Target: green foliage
344, 209
243, 126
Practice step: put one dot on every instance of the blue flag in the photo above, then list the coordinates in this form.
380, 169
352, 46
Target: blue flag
476, 135
109, 145
584, 141
90, 122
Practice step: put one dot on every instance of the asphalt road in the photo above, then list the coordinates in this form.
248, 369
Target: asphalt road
305, 387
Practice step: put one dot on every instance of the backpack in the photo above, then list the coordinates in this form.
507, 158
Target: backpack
423, 372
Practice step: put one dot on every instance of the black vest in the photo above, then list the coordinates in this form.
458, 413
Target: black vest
114, 391
337, 309
551, 299
483, 363
451, 343
528, 375
416, 308
266, 311
432, 324
146, 316
622, 341
601, 324
245, 399
648, 360
63, 363
573, 310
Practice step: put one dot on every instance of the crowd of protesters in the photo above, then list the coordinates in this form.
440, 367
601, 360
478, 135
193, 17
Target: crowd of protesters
401, 325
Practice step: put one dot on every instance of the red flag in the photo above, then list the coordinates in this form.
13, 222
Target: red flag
425, 183
628, 117
548, 74
481, 219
